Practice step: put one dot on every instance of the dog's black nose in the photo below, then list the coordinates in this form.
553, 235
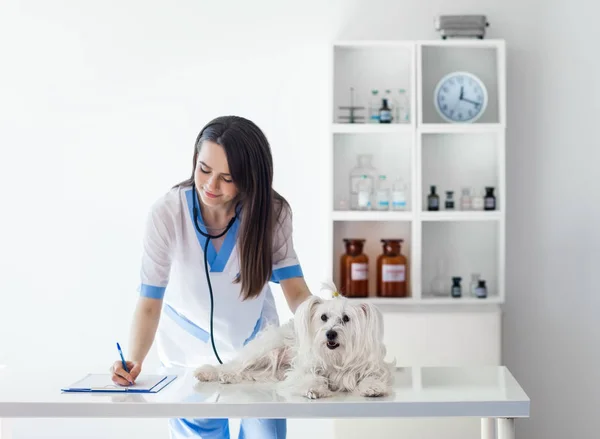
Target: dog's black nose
331, 334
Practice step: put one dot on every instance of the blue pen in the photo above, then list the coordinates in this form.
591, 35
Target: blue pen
123, 359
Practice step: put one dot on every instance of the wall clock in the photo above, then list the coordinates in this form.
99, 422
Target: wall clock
460, 97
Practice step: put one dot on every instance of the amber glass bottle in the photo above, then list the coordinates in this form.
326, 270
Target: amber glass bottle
392, 270
354, 269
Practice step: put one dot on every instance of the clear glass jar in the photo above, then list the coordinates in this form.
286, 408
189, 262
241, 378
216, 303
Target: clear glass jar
363, 169
399, 195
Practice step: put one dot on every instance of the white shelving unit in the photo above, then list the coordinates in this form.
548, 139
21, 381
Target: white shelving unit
424, 152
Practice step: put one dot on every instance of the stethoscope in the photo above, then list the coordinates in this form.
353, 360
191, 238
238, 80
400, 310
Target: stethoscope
208, 238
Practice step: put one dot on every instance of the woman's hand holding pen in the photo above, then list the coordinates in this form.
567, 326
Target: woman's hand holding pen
121, 376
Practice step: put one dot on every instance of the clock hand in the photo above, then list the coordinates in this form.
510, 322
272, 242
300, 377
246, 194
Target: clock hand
471, 102
461, 92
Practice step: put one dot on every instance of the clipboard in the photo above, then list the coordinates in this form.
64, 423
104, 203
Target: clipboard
103, 383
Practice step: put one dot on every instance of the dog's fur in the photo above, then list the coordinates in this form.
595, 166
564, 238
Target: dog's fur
329, 345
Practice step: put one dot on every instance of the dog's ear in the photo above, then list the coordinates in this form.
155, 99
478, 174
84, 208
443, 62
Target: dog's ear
374, 321
303, 316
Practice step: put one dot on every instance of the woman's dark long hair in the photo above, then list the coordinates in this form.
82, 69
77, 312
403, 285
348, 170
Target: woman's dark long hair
251, 167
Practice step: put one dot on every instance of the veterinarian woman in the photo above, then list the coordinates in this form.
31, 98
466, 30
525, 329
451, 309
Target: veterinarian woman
229, 196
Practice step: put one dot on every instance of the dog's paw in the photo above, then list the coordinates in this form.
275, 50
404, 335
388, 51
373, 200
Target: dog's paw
372, 388
229, 378
206, 372
316, 393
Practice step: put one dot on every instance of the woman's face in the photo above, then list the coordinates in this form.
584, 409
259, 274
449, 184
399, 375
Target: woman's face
212, 177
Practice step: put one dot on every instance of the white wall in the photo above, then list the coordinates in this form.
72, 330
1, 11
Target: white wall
100, 104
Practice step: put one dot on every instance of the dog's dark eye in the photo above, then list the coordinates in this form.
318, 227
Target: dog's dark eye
324, 317
346, 318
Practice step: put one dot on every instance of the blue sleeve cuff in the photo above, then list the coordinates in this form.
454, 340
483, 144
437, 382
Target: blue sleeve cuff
286, 273
151, 291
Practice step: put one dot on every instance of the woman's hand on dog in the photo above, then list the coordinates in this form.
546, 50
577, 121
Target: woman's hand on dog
120, 375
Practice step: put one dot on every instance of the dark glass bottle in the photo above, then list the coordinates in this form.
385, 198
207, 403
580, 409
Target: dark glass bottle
354, 270
433, 200
449, 200
481, 290
456, 290
392, 270
385, 112
490, 199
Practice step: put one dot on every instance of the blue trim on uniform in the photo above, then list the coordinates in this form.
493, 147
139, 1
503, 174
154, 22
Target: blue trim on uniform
250, 428
216, 260
226, 248
256, 329
188, 326
151, 291
286, 273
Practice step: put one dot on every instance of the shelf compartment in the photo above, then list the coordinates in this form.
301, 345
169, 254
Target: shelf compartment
460, 248
392, 156
364, 66
484, 59
451, 162
372, 232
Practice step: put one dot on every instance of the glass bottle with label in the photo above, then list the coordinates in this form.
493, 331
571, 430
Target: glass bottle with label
449, 200
473, 284
382, 194
403, 107
433, 200
374, 106
490, 199
399, 195
456, 290
364, 193
385, 112
465, 199
363, 167
354, 269
392, 270
481, 290
477, 201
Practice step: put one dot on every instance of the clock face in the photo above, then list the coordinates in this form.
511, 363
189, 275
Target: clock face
460, 97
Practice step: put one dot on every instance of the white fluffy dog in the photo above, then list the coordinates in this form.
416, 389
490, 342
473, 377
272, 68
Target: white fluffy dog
329, 345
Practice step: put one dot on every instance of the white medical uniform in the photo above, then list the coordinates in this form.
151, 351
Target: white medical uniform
173, 269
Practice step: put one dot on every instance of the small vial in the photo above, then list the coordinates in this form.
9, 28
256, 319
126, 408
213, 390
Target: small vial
490, 199
374, 106
465, 199
449, 200
481, 290
477, 202
399, 195
382, 195
433, 200
456, 290
364, 193
474, 283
